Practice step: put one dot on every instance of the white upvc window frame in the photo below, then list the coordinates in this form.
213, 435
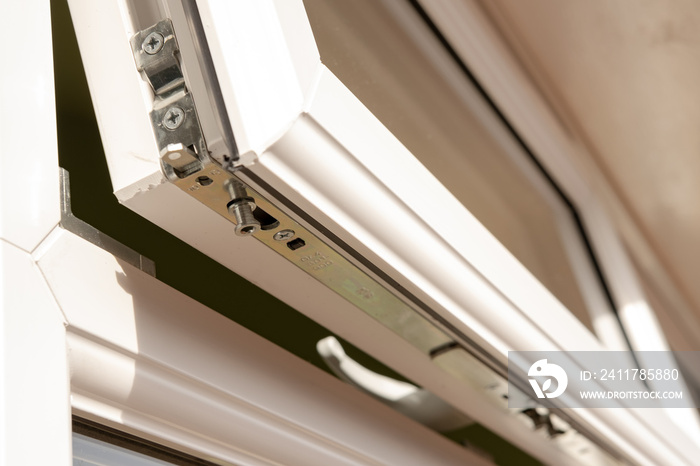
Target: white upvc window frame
331, 146
47, 308
476, 41
277, 80
84, 332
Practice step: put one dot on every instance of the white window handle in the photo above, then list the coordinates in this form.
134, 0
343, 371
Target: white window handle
414, 402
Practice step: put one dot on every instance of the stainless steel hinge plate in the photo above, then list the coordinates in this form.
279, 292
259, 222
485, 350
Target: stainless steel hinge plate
174, 120
155, 51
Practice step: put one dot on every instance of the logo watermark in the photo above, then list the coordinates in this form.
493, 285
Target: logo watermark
551, 372
598, 379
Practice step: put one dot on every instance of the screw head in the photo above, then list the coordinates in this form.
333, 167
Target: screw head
173, 118
283, 235
153, 43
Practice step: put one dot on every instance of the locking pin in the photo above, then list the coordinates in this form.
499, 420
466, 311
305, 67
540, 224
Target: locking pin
241, 206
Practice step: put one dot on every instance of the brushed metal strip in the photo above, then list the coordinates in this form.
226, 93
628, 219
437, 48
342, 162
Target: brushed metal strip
319, 260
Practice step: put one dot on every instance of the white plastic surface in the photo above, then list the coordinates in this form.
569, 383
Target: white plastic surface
189, 376
376, 153
475, 284
122, 99
340, 164
469, 30
267, 80
166, 205
34, 392
33, 367
29, 206
478, 43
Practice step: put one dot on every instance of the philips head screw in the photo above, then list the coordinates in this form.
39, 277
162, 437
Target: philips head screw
283, 235
173, 118
153, 43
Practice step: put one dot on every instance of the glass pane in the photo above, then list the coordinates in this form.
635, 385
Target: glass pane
389, 58
98, 445
88, 451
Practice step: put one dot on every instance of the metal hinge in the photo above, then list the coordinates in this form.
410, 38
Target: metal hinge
183, 150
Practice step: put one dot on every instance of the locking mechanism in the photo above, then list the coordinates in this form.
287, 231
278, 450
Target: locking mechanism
241, 207
183, 152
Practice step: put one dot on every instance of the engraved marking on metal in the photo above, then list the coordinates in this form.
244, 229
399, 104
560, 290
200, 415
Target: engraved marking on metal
365, 293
